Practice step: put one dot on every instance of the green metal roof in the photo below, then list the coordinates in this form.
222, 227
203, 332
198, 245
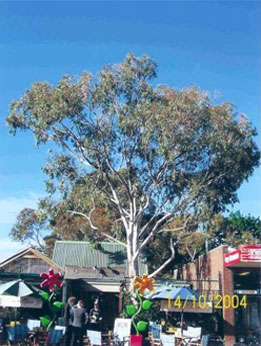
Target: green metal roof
83, 254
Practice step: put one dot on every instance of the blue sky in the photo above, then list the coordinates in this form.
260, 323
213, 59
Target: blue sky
213, 45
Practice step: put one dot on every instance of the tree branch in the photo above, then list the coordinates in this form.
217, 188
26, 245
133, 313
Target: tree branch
73, 212
151, 234
167, 261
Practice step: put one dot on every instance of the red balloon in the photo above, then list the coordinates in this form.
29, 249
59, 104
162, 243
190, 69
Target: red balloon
51, 280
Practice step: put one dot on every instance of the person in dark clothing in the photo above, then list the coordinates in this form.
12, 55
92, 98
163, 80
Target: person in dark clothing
79, 320
95, 317
68, 321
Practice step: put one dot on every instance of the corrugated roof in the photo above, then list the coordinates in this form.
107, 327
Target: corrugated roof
83, 254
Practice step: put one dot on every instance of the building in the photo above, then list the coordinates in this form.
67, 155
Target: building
89, 272
232, 280
26, 265
95, 272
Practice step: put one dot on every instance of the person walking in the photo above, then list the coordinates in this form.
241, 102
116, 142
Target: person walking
68, 321
80, 318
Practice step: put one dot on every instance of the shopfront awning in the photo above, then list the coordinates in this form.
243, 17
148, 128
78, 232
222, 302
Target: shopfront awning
20, 302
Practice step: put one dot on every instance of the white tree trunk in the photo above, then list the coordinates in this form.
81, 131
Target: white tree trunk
132, 244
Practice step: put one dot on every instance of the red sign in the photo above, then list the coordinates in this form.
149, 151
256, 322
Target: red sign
232, 257
247, 253
251, 253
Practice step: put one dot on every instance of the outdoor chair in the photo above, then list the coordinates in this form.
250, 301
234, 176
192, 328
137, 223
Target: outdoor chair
60, 321
154, 341
2, 338
62, 328
17, 335
155, 330
106, 339
33, 324
204, 340
94, 337
117, 341
154, 334
55, 337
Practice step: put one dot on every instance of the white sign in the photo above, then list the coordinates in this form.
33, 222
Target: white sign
122, 328
20, 302
167, 340
32, 324
233, 257
94, 337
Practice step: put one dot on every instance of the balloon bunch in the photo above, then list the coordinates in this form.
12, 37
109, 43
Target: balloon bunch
140, 286
54, 284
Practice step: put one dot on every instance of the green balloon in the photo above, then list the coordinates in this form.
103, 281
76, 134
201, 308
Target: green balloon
131, 310
142, 325
45, 320
146, 304
44, 295
57, 306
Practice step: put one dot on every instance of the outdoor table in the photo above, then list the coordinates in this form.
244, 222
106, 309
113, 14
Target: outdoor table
38, 337
106, 338
180, 340
32, 336
152, 341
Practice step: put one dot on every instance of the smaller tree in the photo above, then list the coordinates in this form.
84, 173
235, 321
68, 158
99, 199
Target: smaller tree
234, 230
192, 246
30, 227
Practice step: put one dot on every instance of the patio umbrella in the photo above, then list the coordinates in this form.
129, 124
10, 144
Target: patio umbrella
172, 293
10, 291
18, 294
17, 288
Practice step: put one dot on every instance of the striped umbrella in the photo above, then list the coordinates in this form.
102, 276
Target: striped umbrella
17, 288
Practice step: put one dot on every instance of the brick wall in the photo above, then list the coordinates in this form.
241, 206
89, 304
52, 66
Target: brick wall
210, 269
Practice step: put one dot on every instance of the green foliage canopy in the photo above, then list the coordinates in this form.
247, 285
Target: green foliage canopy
146, 150
234, 229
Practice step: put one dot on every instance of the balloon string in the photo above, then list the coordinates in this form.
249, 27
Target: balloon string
138, 311
51, 308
